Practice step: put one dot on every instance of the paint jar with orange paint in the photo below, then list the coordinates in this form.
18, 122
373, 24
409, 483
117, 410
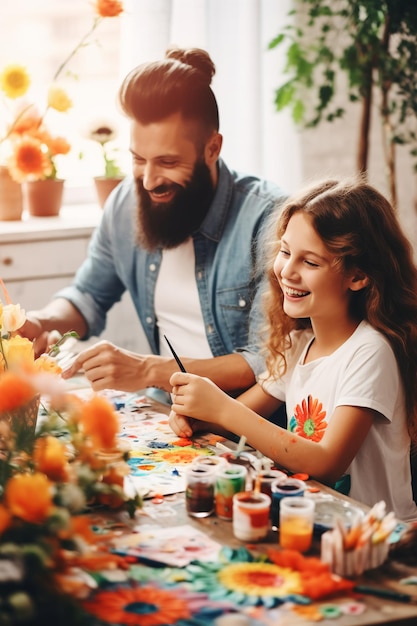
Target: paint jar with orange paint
284, 488
251, 515
296, 523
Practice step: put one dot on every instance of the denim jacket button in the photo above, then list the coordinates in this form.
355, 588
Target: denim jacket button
152, 267
149, 320
242, 302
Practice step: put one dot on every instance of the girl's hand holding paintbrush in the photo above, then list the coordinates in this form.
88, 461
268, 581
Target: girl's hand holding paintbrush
200, 398
187, 395
197, 397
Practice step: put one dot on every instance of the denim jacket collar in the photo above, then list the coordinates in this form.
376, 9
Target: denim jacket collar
214, 222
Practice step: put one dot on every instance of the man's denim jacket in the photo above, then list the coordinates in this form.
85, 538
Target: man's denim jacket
227, 268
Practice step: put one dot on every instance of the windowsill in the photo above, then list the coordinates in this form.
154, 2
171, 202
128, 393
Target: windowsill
74, 220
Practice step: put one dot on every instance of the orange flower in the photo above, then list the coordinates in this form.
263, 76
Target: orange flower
15, 391
29, 496
58, 145
29, 160
27, 122
109, 8
50, 458
161, 606
310, 419
5, 519
100, 422
113, 477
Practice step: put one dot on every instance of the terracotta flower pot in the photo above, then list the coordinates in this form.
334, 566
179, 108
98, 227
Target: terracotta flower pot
104, 186
11, 197
44, 197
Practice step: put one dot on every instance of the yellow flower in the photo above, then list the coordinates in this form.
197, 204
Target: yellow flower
14, 81
264, 579
18, 352
58, 98
13, 317
45, 363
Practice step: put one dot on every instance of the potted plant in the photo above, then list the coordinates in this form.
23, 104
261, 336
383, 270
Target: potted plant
375, 45
32, 149
104, 133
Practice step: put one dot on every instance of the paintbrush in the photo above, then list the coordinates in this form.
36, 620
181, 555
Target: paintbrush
175, 355
388, 594
240, 445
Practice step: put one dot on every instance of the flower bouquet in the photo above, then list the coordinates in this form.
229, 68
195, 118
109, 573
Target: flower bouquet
31, 151
49, 479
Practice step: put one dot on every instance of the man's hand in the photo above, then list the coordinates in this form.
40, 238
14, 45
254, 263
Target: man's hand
42, 340
108, 367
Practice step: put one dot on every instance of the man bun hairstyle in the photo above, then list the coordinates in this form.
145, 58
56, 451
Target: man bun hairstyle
179, 83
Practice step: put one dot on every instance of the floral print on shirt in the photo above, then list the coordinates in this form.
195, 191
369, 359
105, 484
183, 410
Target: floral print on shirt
308, 420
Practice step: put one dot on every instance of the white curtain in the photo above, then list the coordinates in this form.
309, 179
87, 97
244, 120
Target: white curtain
236, 33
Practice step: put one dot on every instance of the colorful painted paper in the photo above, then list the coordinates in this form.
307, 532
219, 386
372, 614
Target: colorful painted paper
157, 458
177, 546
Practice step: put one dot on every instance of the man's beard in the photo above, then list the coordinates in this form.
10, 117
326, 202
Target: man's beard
167, 225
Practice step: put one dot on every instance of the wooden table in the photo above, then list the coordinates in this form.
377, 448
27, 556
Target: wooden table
171, 511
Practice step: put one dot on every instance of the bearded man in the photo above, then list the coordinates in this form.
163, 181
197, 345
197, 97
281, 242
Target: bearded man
183, 236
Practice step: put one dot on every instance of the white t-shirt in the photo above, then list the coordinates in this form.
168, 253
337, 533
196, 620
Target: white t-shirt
362, 372
177, 304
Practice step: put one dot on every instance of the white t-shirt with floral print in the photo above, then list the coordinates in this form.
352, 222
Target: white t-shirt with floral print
362, 372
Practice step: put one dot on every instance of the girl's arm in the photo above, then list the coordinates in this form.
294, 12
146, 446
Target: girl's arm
326, 460
255, 398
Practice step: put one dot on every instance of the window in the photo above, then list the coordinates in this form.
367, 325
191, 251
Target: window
41, 35
235, 33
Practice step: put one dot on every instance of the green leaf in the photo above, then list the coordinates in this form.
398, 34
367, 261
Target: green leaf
298, 111
284, 95
276, 41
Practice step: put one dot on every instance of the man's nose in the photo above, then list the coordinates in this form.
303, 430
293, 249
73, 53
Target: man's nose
150, 177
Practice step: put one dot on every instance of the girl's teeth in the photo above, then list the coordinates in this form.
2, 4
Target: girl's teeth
293, 292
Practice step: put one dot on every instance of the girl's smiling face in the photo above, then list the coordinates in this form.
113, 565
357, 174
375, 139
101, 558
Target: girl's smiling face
313, 283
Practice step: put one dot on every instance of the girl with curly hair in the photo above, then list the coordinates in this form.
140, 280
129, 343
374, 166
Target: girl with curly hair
341, 350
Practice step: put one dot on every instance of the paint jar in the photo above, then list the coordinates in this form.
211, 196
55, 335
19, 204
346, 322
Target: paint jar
248, 460
212, 462
199, 491
229, 480
296, 523
267, 477
282, 489
251, 515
